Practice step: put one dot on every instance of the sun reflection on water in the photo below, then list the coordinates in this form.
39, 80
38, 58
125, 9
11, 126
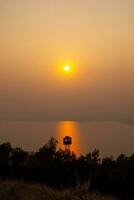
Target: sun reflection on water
68, 128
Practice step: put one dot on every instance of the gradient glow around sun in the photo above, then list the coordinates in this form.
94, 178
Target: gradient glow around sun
67, 68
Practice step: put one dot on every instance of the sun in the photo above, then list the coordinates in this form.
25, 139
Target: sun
67, 68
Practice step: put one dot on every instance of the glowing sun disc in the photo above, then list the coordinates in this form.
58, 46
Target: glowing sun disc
67, 68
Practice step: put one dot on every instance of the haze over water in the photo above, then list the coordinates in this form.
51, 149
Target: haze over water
40, 99
111, 138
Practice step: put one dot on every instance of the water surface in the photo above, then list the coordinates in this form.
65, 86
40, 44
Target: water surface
111, 138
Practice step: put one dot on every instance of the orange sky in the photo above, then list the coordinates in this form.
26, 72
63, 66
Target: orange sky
38, 37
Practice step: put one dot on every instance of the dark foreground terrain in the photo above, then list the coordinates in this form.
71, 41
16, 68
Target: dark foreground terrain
59, 168
12, 190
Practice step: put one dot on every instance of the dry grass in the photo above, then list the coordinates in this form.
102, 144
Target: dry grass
21, 191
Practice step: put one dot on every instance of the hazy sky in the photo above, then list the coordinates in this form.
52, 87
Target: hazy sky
37, 38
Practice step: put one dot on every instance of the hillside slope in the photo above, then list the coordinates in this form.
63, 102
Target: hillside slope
11, 190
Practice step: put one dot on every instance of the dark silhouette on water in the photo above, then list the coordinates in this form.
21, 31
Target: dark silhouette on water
57, 168
67, 141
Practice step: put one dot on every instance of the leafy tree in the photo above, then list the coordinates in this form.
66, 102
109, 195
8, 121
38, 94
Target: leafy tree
57, 168
5, 154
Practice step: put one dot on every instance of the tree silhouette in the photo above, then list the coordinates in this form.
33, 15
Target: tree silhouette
57, 168
5, 155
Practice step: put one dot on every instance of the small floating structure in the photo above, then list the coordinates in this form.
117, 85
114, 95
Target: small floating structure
67, 141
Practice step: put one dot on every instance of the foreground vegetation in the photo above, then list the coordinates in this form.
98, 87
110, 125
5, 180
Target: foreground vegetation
57, 168
22, 191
